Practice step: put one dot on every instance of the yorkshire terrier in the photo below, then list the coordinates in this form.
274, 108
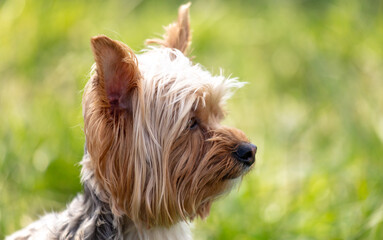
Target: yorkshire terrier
156, 155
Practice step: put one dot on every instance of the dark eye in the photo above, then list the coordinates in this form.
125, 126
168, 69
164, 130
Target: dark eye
193, 123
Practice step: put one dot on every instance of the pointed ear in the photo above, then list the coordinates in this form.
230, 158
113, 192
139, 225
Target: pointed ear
117, 70
177, 34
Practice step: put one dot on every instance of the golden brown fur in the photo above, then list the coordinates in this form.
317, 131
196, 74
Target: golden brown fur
178, 33
194, 167
157, 155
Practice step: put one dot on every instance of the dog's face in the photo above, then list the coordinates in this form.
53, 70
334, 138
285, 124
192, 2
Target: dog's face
153, 131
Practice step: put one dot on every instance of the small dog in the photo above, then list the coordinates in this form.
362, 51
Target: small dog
156, 155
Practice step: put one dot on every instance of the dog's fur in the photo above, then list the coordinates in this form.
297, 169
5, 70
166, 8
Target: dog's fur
156, 155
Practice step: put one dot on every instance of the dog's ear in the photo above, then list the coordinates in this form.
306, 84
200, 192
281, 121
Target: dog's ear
177, 34
117, 70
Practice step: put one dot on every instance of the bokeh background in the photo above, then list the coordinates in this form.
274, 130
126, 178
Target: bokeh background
313, 105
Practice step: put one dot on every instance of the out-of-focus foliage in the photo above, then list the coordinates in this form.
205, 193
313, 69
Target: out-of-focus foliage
313, 105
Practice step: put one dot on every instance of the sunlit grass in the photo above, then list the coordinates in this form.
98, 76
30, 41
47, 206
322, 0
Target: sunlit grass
313, 105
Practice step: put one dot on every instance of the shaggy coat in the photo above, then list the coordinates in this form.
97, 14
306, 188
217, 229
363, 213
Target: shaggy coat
156, 155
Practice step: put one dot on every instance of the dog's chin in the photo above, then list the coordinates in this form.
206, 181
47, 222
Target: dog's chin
204, 210
238, 172
231, 176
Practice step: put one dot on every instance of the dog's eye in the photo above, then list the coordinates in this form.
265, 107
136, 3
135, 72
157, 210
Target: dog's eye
193, 123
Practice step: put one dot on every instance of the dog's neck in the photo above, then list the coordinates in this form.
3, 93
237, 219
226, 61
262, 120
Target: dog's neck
89, 216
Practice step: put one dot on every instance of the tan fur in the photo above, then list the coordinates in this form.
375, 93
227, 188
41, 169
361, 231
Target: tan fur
107, 128
155, 185
156, 153
177, 35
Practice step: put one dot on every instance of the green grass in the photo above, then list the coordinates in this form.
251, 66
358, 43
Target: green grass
313, 105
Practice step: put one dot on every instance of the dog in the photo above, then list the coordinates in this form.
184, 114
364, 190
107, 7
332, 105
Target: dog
156, 155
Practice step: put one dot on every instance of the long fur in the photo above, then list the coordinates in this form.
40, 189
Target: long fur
88, 218
156, 154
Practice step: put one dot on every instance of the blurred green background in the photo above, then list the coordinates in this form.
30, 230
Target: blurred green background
313, 106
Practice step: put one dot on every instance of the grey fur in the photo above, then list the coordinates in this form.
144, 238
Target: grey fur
88, 217
95, 214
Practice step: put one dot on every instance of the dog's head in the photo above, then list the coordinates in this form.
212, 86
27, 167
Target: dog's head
152, 125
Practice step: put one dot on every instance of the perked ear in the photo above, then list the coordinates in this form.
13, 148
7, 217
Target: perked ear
177, 34
117, 70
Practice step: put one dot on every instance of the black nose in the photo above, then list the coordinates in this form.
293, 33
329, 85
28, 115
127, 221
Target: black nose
245, 153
